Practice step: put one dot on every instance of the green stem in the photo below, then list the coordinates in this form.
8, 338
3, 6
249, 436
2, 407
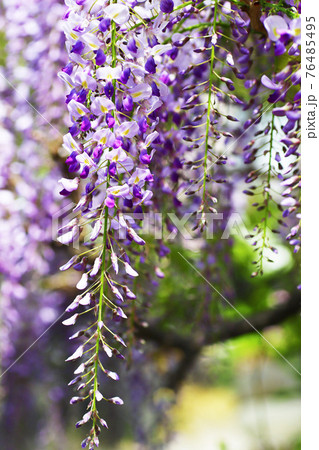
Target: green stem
212, 57
103, 265
267, 197
100, 318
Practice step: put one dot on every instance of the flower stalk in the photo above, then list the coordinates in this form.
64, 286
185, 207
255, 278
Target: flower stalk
210, 90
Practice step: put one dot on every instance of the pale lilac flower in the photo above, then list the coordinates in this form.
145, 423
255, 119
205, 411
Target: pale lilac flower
274, 26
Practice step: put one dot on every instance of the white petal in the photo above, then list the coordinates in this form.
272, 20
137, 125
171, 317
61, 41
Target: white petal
160, 49
70, 185
150, 138
288, 201
86, 417
128, 129
141, 92
229, 59
114, 262
98, 396
130, 271
82, 284
80, 369
96, 267
119, 13
86, 300
71, 320
77, 354
96, 230
108, 351
112, 375
70, 236
108, 73
274, 23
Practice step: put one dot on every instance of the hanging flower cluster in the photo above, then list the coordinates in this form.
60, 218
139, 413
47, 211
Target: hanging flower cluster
283, 91
115, 91
287, 39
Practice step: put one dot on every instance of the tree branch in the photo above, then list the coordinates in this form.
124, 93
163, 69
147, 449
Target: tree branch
220, 332
223, 330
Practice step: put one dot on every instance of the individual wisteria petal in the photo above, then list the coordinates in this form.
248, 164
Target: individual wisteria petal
85, 80
71, 320
109, 201
80, 369
227, 8
70, 263
116, 292
70, 236
78, 47
76, 400
135, 236
119, 191
280, 48
77, 354
108, 73
98, 395
289, 201
76, 109
141, 92
86, 417
290, 181
70, 144
159, 273
129, 270
150, 65
229, 59
82, 284
96, 267
114, 261
74, 305
116, 400
70, 185
100, 57
105, 24
266, 81
119, 13
108, 351
102, 105
128, 129
96, 230
129, 294
113, 375
274, 24
86, 300
294, 114
296, 77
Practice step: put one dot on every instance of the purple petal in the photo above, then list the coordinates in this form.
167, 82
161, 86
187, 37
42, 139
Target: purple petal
268, 83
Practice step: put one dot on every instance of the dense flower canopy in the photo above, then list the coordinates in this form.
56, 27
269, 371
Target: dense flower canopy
167, 107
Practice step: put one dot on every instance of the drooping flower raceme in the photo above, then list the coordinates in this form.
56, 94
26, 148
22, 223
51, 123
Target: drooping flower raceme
114, 90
